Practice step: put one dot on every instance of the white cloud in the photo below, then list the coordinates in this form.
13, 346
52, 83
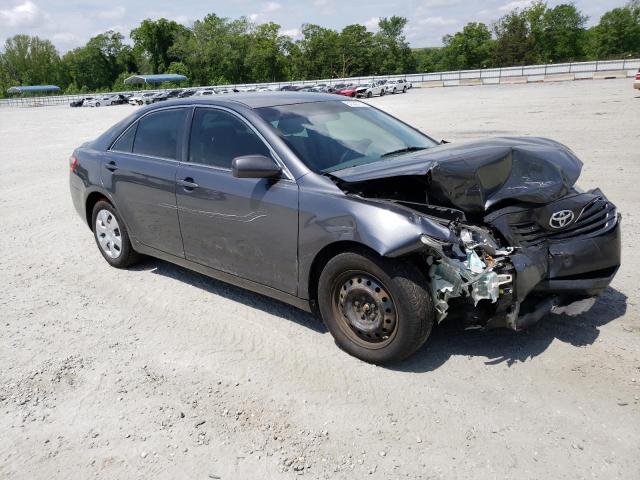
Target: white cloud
372, 23
326, 7
513, 5
437, 21
271, 7
112, 14
439, 3
26, 14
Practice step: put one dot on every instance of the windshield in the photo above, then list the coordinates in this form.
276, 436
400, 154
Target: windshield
330, 136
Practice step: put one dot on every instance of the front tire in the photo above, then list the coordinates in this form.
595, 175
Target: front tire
112, 237
378, 310
369, 95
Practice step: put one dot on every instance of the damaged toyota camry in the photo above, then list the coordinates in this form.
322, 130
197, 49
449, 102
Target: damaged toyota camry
340, 209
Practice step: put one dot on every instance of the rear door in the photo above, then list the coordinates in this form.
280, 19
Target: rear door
244, 226
140, 174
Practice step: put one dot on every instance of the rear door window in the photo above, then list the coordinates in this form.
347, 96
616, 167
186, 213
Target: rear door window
158, 133
125, 142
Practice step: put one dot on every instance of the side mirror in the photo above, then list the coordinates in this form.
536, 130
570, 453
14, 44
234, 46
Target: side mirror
255, 166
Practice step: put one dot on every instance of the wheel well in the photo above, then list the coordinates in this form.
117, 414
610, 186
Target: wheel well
323, 257
92, 199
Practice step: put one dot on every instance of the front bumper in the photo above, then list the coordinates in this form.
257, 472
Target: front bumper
558, 275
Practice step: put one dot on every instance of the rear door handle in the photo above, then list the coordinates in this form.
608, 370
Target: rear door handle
188, 184
111, 166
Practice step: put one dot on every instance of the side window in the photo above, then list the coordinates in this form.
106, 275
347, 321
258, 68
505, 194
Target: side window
125, 142
158, 133
217, 137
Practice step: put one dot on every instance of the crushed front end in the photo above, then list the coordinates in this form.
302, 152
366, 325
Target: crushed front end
522, 262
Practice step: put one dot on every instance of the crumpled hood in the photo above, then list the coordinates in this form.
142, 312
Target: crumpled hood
476, 175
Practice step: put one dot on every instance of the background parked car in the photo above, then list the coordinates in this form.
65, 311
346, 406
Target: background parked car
142, 98
369, 90
348, 91
395, 86
186, 93
80, 102
290, 88
203, 92
103, 100
636, 83
160, 97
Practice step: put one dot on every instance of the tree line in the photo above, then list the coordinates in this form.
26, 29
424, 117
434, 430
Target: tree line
217, 50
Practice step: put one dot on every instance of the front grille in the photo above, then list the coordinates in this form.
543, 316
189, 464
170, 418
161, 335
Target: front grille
597, 217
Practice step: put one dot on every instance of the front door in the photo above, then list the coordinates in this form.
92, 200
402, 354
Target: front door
244, 226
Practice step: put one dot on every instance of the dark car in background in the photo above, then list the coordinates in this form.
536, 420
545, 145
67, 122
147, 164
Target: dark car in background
338, 208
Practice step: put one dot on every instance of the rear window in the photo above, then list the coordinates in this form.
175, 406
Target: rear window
158, 133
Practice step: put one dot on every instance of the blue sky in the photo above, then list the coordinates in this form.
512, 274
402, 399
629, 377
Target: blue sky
70, 23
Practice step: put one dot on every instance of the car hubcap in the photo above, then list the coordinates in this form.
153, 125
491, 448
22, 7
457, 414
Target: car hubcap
108, 234
366, 310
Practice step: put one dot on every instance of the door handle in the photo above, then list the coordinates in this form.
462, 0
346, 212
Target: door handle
188, 184
111, 166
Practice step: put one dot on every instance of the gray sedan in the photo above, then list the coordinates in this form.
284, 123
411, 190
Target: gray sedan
340, 209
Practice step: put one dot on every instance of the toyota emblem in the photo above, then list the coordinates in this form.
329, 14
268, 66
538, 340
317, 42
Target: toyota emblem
561, 219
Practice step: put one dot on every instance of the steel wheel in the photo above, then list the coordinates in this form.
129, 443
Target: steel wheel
108, 234
365, 310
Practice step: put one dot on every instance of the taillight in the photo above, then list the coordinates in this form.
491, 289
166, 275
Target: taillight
638, 76
73, 163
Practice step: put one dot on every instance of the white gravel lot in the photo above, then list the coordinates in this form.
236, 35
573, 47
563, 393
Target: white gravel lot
158, 372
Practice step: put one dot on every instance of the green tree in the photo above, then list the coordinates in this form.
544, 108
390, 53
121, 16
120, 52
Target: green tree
514, 43
563, 34
318, 52
155, 39
265, 60
356, 51
99, 63
469, 49
394, 54
430, 59
618, 33
30, 61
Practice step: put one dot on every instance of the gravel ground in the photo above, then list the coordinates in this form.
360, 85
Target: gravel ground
158, 372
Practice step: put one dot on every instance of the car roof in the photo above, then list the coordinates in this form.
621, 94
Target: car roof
259, 99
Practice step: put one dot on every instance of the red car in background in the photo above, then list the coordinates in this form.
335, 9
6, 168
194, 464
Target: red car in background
348, 91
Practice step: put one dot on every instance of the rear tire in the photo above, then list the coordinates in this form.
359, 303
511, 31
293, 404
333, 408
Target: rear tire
377, 309
112, 237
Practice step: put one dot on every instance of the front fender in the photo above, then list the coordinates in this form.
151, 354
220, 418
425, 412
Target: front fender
327, 215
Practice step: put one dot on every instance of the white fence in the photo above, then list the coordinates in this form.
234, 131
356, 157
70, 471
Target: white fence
529, 73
